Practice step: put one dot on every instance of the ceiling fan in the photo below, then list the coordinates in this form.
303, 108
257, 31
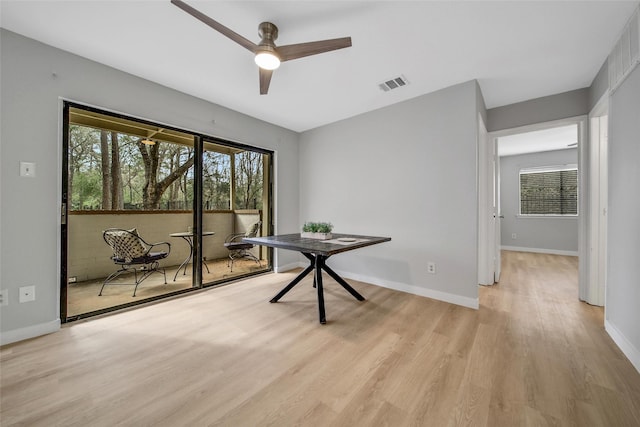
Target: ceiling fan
267, 56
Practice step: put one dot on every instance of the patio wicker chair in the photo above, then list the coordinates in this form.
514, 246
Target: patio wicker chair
134, 255
239, 249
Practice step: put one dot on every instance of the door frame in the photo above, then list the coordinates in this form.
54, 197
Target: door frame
583, 171
593, 287
199, 138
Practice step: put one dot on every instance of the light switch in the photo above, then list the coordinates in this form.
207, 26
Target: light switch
28, 169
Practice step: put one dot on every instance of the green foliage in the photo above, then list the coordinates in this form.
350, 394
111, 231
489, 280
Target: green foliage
216, 180
87, 191
248, 180
157, 177
317, 227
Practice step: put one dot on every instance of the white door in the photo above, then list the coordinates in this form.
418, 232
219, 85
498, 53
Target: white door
486, 211
598, 175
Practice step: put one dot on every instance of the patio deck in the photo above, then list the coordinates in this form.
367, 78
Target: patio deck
82, 297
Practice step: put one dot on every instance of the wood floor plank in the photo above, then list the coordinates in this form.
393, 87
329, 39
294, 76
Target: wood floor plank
531, 355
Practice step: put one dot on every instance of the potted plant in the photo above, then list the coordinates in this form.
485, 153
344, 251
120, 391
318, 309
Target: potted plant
317, 230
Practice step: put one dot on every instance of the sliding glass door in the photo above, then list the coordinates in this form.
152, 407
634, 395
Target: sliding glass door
136, 183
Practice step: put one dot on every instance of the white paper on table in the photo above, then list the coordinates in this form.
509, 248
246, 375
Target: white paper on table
338, 242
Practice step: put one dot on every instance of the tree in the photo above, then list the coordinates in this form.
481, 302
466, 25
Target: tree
110, 166
82, 159
249, 180
216, 178
116, 176
155, 186
105, 166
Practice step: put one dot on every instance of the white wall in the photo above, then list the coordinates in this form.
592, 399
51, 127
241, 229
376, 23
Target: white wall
553, 235
34, 77
409, 172
623, 270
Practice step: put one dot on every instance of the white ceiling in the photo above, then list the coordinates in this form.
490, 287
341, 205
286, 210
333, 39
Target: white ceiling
557, 138
517, 50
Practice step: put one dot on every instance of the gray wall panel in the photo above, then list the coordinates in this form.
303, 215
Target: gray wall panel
561, 106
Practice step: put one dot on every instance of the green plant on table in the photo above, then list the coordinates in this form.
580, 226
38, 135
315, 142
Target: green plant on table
317, 227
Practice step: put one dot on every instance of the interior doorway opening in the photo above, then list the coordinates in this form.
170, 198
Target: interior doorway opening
546, 215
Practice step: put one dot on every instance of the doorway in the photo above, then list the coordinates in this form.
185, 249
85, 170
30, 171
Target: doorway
546, 214
185, 191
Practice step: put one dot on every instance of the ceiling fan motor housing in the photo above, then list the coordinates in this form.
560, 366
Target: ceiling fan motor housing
268, 32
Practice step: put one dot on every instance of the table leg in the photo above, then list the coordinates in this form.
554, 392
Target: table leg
342, 282
317, 263
186, 261
318, 276
292, 284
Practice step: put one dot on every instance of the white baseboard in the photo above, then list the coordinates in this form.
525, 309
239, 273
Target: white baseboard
632, 353
290, 266
539, 251
397, 286
21, 334
415, 290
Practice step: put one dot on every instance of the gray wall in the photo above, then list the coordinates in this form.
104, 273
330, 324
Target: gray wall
546, 234
555, 107
31, 131
623, 270
407, 171
599, 85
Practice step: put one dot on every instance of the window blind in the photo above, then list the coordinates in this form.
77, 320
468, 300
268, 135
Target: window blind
549, 192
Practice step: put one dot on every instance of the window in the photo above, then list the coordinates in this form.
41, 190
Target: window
549, 191
115, 165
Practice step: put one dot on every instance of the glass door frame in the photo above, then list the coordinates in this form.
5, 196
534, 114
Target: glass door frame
197, 209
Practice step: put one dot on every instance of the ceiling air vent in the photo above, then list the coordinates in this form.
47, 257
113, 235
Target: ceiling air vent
393, 83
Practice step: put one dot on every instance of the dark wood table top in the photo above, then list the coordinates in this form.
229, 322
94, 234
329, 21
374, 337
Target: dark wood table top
315, 246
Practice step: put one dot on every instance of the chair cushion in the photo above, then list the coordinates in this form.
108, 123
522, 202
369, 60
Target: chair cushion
238, 245
126, 244
151, 257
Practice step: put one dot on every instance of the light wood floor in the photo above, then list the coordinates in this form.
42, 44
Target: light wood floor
531, 355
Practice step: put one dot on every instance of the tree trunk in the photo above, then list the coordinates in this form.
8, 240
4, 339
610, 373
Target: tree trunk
106, 170
71, 170
117, 201
153, 189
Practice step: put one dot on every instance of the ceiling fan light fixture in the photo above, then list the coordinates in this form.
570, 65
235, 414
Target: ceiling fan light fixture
267, 60
148, 141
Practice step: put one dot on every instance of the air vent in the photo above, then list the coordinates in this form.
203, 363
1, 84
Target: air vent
626, 53
393, 83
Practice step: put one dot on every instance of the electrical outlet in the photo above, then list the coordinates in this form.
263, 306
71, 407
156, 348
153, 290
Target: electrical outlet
431, 267
27, 293
4, 297
73, 279
514, 236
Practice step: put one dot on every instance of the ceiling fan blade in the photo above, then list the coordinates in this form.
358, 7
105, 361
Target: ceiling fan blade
246, 43
265, 80
300, 50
